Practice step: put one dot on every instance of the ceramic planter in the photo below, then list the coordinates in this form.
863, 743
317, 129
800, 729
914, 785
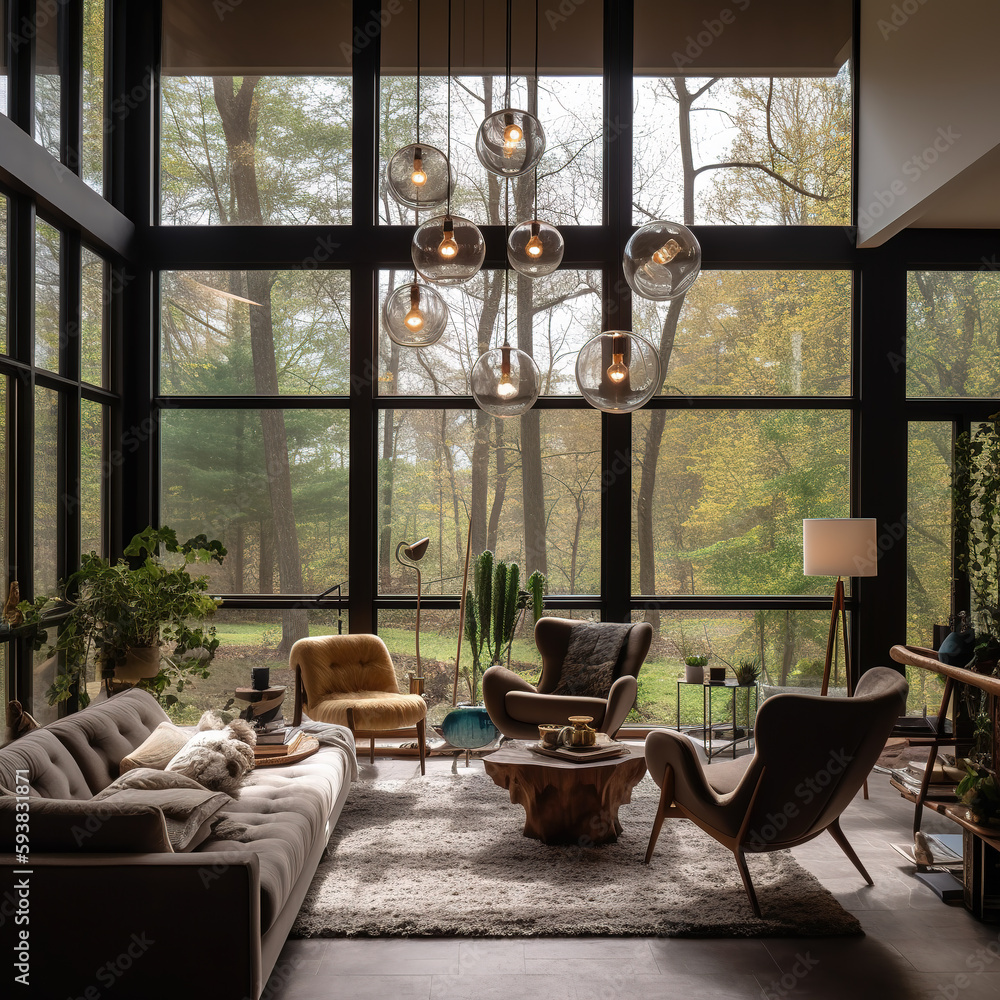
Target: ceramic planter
469, 727
141, 662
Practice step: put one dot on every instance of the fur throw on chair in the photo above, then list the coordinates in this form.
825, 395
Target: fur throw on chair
218, 756
591, 657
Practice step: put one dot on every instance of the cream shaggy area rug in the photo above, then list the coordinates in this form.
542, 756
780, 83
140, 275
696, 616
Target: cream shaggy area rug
446, 856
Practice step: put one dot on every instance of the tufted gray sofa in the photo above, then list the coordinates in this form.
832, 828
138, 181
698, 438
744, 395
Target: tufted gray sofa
209, 923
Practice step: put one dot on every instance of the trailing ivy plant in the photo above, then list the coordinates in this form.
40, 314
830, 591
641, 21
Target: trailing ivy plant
147, 598
976, 519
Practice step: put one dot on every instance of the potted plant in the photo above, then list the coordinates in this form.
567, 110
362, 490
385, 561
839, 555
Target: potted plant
493, 608
979, 793
976, 520
747, 671
694, 669
137, 619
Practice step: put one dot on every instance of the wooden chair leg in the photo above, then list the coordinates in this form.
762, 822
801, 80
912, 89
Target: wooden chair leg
741, 863
421, 743
666, 798
842, 842
371, 751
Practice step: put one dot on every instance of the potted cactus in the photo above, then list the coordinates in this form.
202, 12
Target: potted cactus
493, 608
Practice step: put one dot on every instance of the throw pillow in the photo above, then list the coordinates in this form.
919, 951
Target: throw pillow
82, 825
218, 758
188, 812
581, 680
158, 748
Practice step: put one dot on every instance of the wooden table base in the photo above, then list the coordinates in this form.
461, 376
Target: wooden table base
565, 802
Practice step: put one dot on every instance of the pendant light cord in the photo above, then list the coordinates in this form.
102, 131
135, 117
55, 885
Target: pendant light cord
448, 210
509, 4
535, 192
418, 71
506, 266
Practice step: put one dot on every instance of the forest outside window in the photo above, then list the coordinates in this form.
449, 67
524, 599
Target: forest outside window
550, 318
255, 119
532, 486
747, 124
257, 332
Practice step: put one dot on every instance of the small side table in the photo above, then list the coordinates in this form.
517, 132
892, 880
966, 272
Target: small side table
706, 714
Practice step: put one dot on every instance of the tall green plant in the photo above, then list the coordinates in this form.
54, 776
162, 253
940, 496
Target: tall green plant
976, 519
492, 611
147, 598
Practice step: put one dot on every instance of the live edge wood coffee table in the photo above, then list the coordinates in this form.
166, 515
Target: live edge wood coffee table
565, 802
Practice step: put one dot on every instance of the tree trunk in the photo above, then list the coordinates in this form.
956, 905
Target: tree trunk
492, 293
266, 581
238, 112
657, 418
532, 484
386, 473
500, 489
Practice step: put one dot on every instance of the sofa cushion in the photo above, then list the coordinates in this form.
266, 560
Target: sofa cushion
73, 826
280, 814
188, 812
158, 748
76, 757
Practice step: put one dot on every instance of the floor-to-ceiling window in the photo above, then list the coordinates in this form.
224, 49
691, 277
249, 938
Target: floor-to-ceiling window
264, 403
57, 282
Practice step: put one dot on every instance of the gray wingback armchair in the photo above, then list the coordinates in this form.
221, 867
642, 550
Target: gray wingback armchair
811, 756
517, 708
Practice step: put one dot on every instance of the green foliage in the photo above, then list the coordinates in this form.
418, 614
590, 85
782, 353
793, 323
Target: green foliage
493, 609
696, 661
147, 598
747, 670
976, 516
978, 791
536, 587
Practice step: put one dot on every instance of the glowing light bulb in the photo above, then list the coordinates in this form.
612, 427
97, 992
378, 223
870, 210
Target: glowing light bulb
447, 248
534, 245
617, 370
667, 252
506, 387
512, 135
414, 319
419, 175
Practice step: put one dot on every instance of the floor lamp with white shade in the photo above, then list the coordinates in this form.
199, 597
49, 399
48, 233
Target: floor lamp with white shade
839, 546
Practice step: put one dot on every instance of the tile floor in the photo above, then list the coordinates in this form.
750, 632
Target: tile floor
915, 948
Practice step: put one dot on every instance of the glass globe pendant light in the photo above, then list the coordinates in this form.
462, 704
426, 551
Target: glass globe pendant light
535, 248
448, 250
617, 371
510, 142
419, 176
661, 260
415, 315
505, 381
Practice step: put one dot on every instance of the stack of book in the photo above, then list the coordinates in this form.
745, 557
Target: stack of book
277, 740
944, 777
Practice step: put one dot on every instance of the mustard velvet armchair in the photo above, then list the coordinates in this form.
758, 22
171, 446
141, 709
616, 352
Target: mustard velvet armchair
517, 708
812, 755
350, 680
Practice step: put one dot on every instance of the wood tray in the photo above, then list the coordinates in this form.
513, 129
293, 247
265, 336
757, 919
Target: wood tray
308, 747
584, 756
